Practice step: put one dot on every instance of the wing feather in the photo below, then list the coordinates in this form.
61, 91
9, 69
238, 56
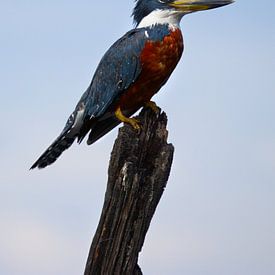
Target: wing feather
117, 70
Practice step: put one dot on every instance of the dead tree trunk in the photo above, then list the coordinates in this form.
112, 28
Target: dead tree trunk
138, 172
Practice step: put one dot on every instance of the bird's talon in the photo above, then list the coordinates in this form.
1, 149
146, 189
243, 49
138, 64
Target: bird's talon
135, 123
153, 106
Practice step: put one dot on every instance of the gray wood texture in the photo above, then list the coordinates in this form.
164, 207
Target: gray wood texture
138, 173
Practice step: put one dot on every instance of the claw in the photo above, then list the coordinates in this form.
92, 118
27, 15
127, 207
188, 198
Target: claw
135, 123
153, 106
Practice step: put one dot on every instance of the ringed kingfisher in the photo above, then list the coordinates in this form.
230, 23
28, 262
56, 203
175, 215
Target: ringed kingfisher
133, 69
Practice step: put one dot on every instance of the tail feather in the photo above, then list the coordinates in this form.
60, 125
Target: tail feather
65, 139
102, 127
63, 142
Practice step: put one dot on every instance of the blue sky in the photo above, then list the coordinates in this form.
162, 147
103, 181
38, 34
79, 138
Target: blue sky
217, 216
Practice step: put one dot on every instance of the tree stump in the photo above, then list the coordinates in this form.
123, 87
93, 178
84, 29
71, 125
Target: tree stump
138, 172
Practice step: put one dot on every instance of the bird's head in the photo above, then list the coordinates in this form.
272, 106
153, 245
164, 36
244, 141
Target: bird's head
175, 8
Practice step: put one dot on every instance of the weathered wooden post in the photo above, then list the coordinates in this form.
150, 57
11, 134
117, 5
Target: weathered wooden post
138, 172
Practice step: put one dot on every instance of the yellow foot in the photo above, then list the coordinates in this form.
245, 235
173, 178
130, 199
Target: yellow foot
153, 106
132, 121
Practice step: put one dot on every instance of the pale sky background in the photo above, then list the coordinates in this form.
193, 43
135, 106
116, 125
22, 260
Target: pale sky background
217, 215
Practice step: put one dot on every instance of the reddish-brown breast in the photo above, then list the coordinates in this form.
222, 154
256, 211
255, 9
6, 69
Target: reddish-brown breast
158, 60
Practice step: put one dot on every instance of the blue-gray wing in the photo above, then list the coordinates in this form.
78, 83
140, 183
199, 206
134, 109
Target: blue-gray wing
118, 69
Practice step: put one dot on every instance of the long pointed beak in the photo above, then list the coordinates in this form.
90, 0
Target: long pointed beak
188, 6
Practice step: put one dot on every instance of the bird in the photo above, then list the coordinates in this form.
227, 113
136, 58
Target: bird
129, 74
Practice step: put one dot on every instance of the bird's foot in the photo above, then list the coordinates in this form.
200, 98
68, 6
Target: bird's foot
153, 106
135, 123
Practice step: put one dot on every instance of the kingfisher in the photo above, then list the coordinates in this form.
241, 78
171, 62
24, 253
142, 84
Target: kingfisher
130, 73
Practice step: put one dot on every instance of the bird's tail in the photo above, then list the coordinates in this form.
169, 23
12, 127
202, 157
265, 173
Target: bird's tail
70, 132
63, 142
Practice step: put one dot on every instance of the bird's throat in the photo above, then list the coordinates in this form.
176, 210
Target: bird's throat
158, 17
